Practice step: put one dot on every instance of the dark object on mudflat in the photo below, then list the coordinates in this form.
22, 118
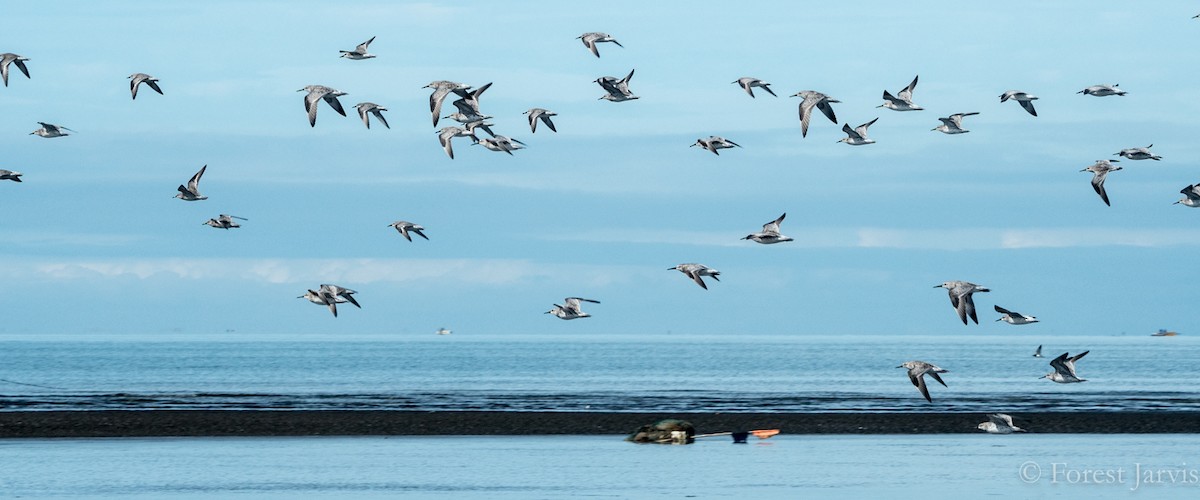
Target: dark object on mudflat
669, 431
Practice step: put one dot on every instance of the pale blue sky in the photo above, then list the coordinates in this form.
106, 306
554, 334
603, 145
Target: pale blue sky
94, 242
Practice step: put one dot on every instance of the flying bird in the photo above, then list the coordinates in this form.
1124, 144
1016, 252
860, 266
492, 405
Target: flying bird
359, 52
1038, 352
9, 175
224, 221
813, 99
617, 90
570, 308
502, 144
857, 136
591, 39
321, 93
902, 101
137, 79
696, 271
953, 124
1024, 98
1064, 369
446, 134
1191, 196
442, 88
713, 143
191, 192
1099, 173
323, 298
747, 83
1102, 90
916, 373
342, 294
1138, 153
544, 115
8, 58
770, 233
50, 131
405, 227
365, 109
960, 298
999, 423
1013, 317
468, 104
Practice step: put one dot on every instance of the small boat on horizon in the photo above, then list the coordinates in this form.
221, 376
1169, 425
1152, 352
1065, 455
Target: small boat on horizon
443, 331
1162, 332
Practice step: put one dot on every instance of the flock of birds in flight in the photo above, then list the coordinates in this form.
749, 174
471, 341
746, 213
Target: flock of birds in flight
469, 115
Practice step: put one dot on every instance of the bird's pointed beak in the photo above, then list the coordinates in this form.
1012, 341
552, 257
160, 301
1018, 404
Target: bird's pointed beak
1000, 319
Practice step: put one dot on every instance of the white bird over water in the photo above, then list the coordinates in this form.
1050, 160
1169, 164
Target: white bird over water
1100, 172
1064, 369
343, 294
1102, 90
446, 134
696, 271
1138, 153
224, 221
1013, 317
747, 83
50, 131
713, 143
960, 298
191, 192
9, 175
544, 115
770, 233
814, 99
617, 90
365, 109
1024, 98
140, 78
953, 124
591, 39
405, 227
902, 101
8, 58
999, 423
1038, 352
857, 136
1191, 196
502, 144
359, 52
916, 374
323, 298
441, 89
571, 308
318, 93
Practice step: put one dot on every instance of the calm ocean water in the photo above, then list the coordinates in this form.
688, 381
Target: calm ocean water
734, 373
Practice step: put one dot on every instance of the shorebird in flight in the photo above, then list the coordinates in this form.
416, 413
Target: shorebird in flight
857, 136
140, 78
902, 101
570, 308
960, 297
8, 58
1102, 90
341, 294
999, 423
591, 39
365, 109
544, 115
323, 298
191, 192
224, 221
1013, 317
359, 52
953, 124
916, 373
318, 93
1038, 352
405, 227
446, 134
696, 271
50, 131
468, 104
747, 83
813, 99
441, 89
617, 90
1024, 98
1100, 172
1138, 153
1191, 196
502, 144
770, 233
1064, 369
9, 175
713, 143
